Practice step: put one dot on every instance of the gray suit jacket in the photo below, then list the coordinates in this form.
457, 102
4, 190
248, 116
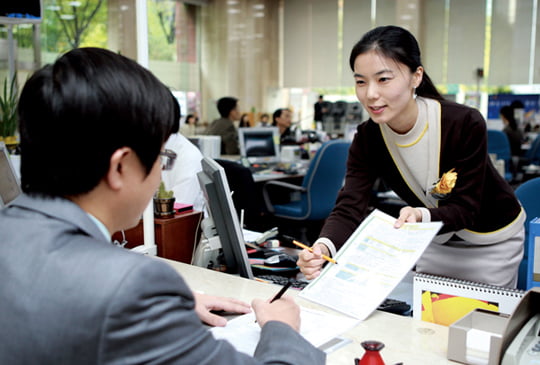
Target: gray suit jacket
70, 297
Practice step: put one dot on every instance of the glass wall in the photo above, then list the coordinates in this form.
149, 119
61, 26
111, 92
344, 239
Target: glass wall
276, 53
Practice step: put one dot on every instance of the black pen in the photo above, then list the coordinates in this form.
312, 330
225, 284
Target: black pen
282, 291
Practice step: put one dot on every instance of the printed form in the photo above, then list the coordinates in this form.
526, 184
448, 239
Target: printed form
371, 264
317, 327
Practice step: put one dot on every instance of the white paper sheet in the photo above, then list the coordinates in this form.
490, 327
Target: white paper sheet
371, 264
316, 326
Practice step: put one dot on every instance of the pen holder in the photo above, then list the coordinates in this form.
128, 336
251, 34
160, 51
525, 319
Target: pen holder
372, 355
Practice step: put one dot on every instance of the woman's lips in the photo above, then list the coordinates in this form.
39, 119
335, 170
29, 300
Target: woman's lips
377, 109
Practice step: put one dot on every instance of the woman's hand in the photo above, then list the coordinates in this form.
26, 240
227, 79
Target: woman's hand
206, 303
311, 263
408, 215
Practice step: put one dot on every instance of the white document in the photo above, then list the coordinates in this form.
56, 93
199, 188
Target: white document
371, 264
317, 327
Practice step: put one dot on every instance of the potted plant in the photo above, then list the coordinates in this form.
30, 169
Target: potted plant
8, 112
164, 202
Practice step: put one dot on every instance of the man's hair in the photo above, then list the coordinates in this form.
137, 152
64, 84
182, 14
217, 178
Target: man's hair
177, 114
75, 113
225, 105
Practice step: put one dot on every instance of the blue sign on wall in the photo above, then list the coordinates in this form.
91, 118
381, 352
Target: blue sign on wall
496, 102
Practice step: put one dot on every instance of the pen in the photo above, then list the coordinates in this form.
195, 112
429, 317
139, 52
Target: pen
282, 291
327, 258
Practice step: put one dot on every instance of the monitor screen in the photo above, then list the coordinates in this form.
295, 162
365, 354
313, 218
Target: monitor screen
216, 190
20, 11
10, 187
259, 144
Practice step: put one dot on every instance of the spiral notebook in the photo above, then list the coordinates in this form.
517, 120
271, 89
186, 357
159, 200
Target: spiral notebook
443, 300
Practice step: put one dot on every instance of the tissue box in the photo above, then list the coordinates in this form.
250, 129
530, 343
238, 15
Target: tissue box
477, 337
482, 336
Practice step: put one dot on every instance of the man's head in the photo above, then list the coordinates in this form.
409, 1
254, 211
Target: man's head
75, 114
228, 108
282, 119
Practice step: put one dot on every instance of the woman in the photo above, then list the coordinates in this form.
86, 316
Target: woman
189, 128
515, 137
412, 138
244, 121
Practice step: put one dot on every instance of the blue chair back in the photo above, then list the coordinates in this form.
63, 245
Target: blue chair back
324, 178
497, 143
528, 194
532, 155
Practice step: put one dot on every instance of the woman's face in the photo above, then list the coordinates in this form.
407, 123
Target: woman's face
385, 88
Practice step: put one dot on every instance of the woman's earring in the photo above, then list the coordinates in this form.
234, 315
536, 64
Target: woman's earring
414, 93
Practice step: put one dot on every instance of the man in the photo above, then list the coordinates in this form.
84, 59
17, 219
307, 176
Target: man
182, 177
318, 109
92, 129
224, 127
282, 119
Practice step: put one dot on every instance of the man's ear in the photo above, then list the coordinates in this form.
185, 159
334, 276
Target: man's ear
117, 167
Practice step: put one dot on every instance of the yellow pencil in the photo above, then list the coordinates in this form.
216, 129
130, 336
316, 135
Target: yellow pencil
327, 258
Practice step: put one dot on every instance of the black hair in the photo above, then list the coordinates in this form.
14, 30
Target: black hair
177, 114
276, 115
225, 105
75, 113
399, 45
508, 113
244, 123
517, 104
189, 116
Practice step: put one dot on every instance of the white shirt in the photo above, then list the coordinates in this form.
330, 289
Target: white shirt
182, 179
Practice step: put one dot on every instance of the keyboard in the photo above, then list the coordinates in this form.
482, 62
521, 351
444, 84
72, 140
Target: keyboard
388, 305
282, 280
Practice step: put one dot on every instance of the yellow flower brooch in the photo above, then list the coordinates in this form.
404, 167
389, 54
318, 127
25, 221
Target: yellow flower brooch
443, 187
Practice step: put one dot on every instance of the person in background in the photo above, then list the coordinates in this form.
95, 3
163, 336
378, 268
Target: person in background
224, 127
415, 141
515, 137
73, 297
264, 121
182, 177
189, 128
244, 121
282, 119
318, 109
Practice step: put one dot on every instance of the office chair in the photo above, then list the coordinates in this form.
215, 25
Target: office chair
532, 155
498, 144
316, 197
245, 196
528, 194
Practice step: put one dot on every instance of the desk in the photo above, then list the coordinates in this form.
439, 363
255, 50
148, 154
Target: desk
406, 340
175, 237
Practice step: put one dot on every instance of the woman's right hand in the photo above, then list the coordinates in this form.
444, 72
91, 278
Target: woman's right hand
311, 263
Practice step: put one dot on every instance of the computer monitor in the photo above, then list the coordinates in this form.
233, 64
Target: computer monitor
216, 190
259, 144
21, 11
10, 187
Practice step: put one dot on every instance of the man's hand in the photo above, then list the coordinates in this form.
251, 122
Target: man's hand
206, 303
283, 310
